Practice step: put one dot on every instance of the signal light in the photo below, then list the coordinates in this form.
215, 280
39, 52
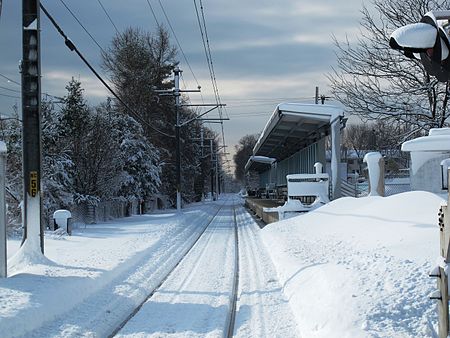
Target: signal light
427, 41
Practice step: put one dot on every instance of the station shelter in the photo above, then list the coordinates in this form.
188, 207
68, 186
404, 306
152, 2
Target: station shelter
293, 140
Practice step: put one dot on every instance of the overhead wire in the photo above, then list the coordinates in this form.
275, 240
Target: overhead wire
82, 26
153, 12
72, 47
10, 80
207, 48
11, 90
109, 17
178, 42
11, 96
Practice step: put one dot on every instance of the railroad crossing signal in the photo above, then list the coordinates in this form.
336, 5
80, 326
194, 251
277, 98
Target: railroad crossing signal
427, 41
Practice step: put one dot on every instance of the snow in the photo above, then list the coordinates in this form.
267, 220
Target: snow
3, 147
89, 281
417, 35
438, 139
262, 159
359, 267
351, 268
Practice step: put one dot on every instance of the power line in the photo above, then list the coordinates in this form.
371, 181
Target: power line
73, 48
110, 20
12, 96
153, 12
206, 46
11, 90
82, 26
10, 80
178, 42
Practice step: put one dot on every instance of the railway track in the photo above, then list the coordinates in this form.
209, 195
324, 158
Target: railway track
203, 285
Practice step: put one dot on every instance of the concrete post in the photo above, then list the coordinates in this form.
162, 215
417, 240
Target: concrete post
375, 164
336, 157
3, 256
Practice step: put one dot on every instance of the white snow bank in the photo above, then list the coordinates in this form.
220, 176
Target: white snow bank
359, 267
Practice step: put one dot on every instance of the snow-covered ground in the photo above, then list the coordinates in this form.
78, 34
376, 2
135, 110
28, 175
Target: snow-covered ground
94, 278
359, 267
352, 268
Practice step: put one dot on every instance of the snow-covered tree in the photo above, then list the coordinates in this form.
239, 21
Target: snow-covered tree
11, 134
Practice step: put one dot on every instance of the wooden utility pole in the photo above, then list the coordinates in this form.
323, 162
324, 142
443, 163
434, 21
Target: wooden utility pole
31, 123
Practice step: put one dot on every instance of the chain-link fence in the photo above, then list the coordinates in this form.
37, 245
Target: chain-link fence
392, 185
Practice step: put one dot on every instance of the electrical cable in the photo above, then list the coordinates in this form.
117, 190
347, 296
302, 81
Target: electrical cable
82, 26
206, 45
11, 90
10, 80
178, 42
73, 48
12, 96
110, 20
153, 12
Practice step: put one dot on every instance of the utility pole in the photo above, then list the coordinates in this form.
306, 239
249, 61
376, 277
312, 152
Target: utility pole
212, 169
177, 72
176, 91
31, 125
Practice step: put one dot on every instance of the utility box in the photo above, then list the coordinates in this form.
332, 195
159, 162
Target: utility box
62, 220
427, 155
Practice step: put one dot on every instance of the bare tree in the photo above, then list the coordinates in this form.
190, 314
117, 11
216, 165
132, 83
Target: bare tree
377, 83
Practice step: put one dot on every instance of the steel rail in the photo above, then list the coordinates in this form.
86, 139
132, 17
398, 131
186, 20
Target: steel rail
231, 317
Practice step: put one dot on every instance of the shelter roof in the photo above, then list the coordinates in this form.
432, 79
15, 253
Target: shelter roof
294, 126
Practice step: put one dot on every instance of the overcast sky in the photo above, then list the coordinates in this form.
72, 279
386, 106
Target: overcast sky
264, 52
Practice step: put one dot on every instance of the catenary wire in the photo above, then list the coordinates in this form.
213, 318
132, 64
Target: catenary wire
82, 26
153, 12
10, 80
178, 42
109, 17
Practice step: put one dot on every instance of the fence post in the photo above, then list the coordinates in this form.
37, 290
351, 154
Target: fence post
3, 256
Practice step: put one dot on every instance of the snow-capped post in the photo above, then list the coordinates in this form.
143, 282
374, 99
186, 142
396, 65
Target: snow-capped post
375, 164
336, 156
3, 263
318, 167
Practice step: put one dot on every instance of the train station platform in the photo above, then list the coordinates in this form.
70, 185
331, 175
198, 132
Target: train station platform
257, 205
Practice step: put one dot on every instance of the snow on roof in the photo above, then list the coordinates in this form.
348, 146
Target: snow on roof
263, 161
437, 140
294, 120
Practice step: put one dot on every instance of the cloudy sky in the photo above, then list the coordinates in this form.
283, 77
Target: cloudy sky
264, 51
